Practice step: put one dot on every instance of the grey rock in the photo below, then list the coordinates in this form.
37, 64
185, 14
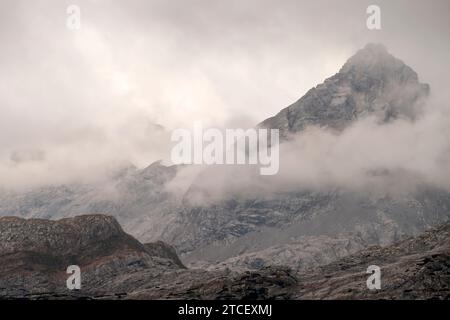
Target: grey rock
415, 268
372, 82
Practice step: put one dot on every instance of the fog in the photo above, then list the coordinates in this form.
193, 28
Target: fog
74, 104
391, 159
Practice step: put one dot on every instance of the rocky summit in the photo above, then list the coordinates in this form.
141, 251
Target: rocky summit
114, 265
372, 82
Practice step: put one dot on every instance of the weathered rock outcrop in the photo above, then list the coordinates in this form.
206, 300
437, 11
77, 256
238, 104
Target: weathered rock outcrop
35, 254
416, 268
114, 265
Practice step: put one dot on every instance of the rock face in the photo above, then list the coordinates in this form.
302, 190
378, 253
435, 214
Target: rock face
371, 82
416, 268
116, 266
304, 230
163, 250
35, 253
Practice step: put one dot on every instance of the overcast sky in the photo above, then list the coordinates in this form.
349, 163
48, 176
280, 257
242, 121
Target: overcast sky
82, 99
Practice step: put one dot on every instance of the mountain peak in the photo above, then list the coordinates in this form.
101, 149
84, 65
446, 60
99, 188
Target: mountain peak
374, 49
372, 82
375, 61
372, 52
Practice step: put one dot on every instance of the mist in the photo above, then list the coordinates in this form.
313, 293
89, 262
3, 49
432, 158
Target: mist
369, 156
76, 104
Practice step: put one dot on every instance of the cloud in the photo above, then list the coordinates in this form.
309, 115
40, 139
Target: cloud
85, 100
394, 158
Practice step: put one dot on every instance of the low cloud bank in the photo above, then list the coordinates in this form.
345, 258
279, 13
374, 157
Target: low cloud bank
395, 157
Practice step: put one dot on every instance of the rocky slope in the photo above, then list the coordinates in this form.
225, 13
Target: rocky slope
305, 228
416, 268
302, 230
34, 255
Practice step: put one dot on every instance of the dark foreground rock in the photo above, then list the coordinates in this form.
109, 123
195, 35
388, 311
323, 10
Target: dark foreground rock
35, 253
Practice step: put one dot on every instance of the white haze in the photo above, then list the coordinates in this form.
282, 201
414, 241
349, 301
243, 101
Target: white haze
382, 158
74, 105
